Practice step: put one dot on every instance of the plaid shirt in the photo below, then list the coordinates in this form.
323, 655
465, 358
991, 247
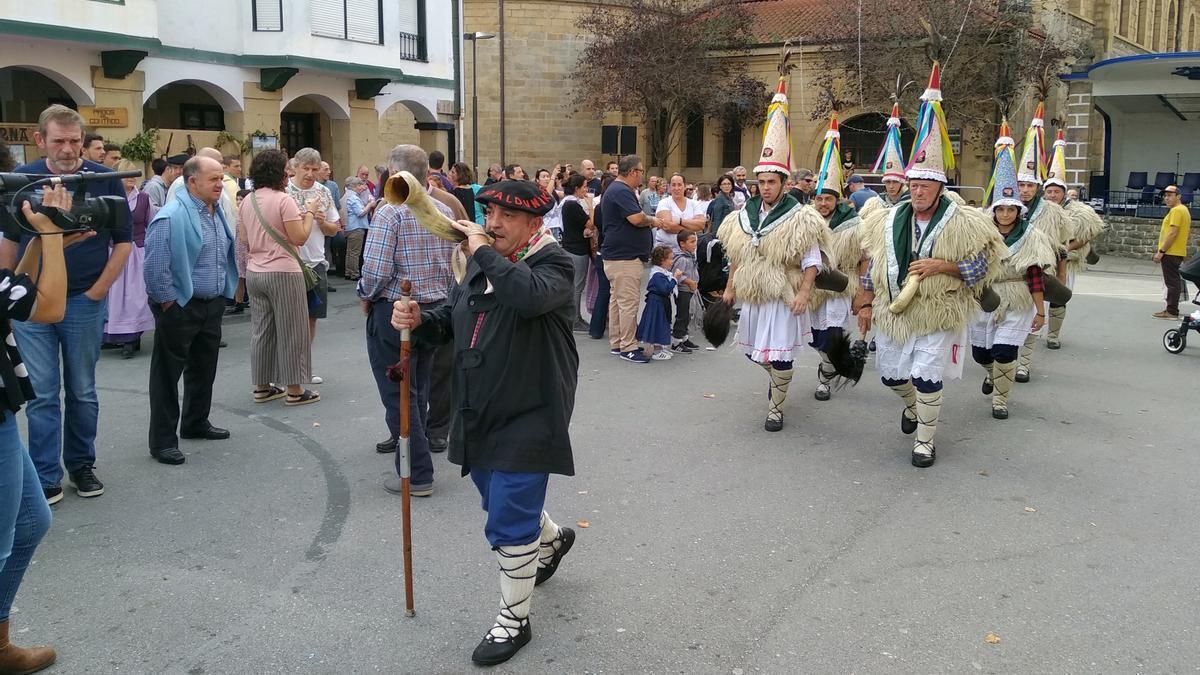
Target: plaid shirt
972, 270
1034, 279
398, 249
208, 275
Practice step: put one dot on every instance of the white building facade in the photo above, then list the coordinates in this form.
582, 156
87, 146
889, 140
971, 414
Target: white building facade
349, 77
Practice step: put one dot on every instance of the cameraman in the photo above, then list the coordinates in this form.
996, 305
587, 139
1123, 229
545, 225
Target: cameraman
24, 515
91, 270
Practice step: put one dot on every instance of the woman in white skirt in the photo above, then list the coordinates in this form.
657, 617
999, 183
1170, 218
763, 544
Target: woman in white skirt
997, 336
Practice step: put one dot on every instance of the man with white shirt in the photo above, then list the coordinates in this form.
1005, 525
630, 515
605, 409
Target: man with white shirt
741, 191
303, 187
226, 202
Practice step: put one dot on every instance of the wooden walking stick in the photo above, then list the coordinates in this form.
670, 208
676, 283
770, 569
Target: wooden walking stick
405, 457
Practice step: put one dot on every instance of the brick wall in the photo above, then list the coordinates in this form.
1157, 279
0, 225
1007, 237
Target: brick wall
1135, 237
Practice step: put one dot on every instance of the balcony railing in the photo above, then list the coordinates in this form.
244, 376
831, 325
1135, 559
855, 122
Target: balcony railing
412, 47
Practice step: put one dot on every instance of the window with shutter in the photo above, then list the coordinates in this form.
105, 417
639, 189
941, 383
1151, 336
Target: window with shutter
412, 31
357, 20
362, 21
268, 15
329, 18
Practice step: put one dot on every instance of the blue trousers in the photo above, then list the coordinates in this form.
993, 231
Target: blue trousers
62, 356
514, 503
24, 514
383, 350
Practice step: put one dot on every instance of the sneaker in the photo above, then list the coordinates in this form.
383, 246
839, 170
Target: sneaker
615, 352
394, 486
664, 355
636, 356
53, 495
680, 348
581, 327
85, 482
691, 345
317, 379
1165, 315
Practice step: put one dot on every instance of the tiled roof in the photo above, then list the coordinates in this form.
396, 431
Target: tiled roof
828, 21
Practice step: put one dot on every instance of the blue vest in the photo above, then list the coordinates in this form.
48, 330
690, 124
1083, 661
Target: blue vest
183, 218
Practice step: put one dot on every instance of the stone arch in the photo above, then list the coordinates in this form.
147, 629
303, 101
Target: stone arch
864, 135
335, 110
188, 105
228, 101
397, 125
57, 87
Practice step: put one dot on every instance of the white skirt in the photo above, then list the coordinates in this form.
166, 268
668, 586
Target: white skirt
833, 313
921, 356
770, 332
986, 332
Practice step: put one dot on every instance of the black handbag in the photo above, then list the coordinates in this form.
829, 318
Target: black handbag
1190, 269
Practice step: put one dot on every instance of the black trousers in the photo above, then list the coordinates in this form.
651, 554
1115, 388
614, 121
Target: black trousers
186, 343
1174, 282
440, 392
683, 314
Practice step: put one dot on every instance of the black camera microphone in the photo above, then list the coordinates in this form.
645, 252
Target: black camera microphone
11, 182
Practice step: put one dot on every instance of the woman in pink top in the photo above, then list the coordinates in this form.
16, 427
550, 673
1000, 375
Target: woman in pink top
279, 344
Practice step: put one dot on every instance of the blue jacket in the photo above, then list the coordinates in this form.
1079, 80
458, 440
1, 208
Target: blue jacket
186, 240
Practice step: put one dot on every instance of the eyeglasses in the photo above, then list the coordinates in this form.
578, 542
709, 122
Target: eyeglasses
809, 180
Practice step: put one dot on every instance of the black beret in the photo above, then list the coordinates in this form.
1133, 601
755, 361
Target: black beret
518, 195
178, 160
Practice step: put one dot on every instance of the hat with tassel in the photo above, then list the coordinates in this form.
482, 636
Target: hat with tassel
891, 156
932, 155
776, 153
1056, 173
1032, 168
830, 179
1002, 188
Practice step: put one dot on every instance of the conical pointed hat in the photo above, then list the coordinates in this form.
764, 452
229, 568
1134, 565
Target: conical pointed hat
890, 162
1003, 185
776, 153
829, 176
1056, 173
1032, 168
932, 155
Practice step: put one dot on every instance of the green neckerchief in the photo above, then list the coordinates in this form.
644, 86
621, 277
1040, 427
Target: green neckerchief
1018, 231
753, 208
902, 233
841, 214
1033, 204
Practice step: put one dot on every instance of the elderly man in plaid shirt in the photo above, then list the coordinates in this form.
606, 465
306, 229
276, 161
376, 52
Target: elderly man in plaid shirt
398, 249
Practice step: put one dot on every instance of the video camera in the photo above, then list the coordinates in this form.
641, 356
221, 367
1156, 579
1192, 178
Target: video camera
87, 213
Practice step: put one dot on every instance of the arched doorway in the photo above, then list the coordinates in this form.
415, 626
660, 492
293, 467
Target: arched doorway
183, 105
863, 136
25, 93
397, 125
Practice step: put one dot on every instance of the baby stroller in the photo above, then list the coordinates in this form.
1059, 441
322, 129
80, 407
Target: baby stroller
1175, 340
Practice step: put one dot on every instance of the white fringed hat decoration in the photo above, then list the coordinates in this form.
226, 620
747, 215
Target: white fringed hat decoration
1032, 168
829, 177
932, 154
1056, 173
890, 162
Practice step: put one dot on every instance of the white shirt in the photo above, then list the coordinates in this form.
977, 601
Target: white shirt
313, 250
691, 209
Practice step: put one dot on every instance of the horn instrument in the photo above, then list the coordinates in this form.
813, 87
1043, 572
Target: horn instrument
402, 189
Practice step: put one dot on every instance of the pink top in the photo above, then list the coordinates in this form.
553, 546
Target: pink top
266, 255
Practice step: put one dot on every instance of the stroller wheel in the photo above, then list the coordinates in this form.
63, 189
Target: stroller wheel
1173, 341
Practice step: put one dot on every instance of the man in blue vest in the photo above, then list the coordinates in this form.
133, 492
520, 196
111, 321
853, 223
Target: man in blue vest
190, 271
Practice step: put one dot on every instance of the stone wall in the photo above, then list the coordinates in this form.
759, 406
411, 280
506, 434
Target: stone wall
1135, 237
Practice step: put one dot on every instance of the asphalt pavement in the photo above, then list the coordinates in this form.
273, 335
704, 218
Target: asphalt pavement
1062, 540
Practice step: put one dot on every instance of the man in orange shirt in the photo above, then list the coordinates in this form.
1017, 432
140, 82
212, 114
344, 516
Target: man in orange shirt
1172, 249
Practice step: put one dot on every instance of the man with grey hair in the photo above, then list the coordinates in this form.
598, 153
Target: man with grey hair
190, 271
806, 184
63, 355
358, 200
302, 187
741, 191
228, 208
495, 174
398, 249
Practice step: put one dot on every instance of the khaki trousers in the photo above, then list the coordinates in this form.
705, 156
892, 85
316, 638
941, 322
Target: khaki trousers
625, 278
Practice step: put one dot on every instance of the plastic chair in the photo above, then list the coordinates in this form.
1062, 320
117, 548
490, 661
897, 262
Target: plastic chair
1137, 180
1163, 178
1191, 181
1185, 195
1148, 195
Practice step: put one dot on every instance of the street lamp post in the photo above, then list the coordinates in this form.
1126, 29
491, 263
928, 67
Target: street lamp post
475, 38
